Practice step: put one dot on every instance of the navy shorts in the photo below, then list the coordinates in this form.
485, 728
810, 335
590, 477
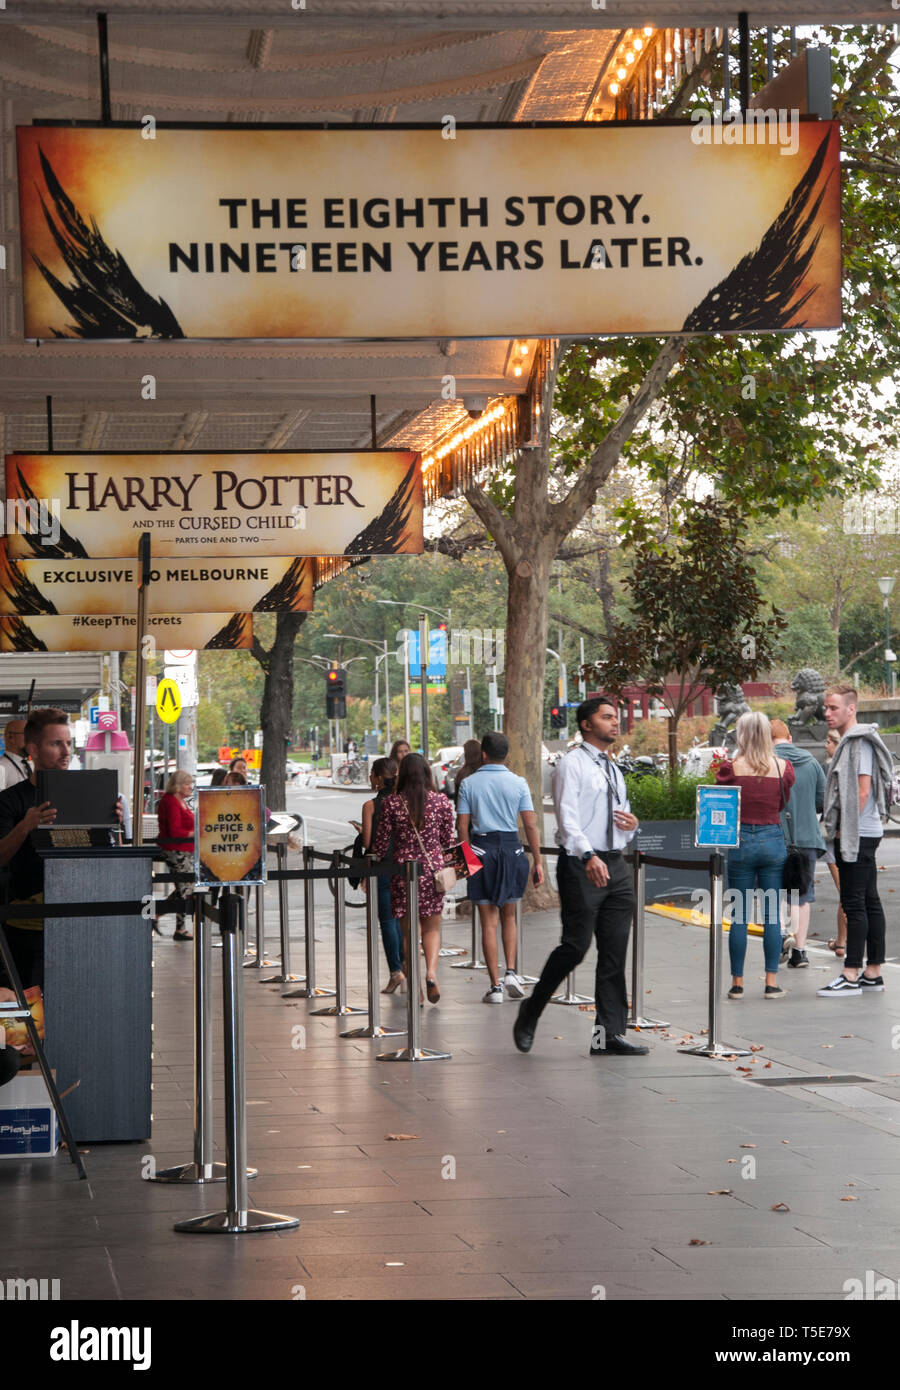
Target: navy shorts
504, 868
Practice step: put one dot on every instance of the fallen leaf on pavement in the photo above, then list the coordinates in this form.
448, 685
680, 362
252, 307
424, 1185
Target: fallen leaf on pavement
731, 1160
766, 1067
720, 1192
699, 1242
746, 1069
781, 1206
748, 1146
756, 1047
403, 1136
826, 1044
849, 1199
785, 1141
848, 1035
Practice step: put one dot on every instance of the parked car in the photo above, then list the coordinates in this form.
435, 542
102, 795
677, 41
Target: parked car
440, 766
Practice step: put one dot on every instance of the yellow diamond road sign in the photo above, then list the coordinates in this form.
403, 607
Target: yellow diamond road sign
168, 701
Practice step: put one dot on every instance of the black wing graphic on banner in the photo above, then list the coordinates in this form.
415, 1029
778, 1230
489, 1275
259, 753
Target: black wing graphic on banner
105, 299
759, 292
384, 535
26, 599
66, 548
22, 637
283, 595
230, 635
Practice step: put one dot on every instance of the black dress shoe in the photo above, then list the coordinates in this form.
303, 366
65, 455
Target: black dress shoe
523, 1028
619, 1047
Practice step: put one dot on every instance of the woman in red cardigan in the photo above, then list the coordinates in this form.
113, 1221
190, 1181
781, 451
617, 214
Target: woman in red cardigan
176, 839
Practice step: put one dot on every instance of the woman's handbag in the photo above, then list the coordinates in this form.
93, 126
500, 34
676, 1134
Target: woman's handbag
795, 872
445, 878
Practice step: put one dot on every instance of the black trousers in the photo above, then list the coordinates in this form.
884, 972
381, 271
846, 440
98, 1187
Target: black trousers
604, 914
861, 903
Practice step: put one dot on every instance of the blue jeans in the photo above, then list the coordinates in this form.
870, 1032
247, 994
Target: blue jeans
391, 931
757, 863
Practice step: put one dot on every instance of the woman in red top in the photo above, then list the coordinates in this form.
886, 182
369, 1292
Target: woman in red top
176, 839
417, 807
765, 782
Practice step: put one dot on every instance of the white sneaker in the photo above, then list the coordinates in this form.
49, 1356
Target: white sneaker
494, 995
840, 985
513, 985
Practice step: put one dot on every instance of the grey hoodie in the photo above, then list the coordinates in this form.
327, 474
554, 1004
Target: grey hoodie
842, 787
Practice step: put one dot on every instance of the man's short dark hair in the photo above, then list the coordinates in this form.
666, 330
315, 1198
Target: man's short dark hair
40, 719
495, 747
591, 706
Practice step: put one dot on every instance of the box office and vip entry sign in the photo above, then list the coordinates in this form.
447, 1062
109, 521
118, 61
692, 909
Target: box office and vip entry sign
368, 502
230, 836
393, 232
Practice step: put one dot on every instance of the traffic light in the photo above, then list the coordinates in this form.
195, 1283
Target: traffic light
559, 717
336, 693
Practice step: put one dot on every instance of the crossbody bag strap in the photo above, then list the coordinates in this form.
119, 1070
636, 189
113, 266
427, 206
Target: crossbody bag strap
783, 807
419, 838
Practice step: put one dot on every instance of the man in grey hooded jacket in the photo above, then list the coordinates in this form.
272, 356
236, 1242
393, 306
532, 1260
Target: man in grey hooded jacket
855, 800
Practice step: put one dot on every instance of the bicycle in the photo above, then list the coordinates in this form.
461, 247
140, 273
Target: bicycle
352, 771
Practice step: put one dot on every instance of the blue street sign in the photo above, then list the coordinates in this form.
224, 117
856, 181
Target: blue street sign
437, 655
95, 715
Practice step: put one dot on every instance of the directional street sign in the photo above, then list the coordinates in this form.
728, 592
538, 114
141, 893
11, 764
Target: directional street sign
168, 701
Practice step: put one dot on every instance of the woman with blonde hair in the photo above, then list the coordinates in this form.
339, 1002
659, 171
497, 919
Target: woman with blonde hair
176, 840
765, 782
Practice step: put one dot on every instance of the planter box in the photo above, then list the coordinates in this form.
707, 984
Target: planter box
671, 839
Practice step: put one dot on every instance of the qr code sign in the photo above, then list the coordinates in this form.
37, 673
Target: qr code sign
718, 818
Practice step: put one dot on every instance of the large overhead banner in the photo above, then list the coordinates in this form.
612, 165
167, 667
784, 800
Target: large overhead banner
186, 585
118, 632
453, 231
334, 503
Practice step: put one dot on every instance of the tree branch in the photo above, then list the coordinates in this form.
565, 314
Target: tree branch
496, 524
565, 515
455, 548
577, 627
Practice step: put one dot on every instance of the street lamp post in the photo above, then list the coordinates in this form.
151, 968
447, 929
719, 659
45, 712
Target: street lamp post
886, 585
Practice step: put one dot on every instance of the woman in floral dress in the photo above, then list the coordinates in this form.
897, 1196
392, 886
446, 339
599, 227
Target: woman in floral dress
416, 804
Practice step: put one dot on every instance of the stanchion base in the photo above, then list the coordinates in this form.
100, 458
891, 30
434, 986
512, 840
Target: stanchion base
236, 1223
378, 1032
338, 1011
529, 979
452, 951
316, 993
469, 965
414, 1054
196, 1173
282, 980
648, 1023
571, 999
715, 1050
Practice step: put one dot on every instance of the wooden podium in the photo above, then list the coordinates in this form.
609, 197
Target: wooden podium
98, 981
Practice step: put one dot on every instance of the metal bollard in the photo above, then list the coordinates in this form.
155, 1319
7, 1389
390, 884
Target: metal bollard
340, 1008
473, 962
373, 1029
310, 990
520, 948
570, 997
257, 957
237, 1218
284, 926
413, 1052
203, 1169
635, 1018
712, 1047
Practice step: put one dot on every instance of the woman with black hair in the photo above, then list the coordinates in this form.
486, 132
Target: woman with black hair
421, 822
383, 779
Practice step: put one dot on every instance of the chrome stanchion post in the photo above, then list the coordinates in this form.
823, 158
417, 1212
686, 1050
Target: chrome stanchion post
203, 1169
712, 1047
635, 1017
310, 990
570, 996
284, 925
373, 1029
340, 1008
238, 1217
473, 963
520, 948
413, 1052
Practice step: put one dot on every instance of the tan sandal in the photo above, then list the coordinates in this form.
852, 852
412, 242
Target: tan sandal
833, 946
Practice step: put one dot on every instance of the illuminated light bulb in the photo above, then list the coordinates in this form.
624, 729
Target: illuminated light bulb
525, 349
621, 72
648, 30
517, 371
638, 45
614, 89
658, 74
629, 57
668, 55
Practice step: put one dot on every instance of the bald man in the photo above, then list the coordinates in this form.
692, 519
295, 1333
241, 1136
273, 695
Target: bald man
13, 766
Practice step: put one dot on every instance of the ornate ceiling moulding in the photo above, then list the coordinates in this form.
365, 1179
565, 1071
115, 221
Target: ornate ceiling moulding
172, 60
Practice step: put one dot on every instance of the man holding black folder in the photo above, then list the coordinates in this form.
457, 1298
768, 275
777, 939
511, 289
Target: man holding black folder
48, 746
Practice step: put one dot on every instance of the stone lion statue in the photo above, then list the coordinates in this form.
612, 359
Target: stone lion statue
731, 705
810, 690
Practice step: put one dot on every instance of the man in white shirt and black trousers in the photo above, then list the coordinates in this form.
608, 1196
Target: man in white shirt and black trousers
596, 886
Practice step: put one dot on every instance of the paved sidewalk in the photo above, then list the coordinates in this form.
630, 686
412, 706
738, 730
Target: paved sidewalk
551, 1175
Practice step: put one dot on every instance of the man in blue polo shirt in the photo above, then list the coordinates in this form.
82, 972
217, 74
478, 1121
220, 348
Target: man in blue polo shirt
488, 806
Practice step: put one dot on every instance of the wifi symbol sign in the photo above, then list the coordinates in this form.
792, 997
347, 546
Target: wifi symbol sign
108, 720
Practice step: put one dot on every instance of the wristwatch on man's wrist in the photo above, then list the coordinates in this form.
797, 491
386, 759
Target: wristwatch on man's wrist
588, 854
